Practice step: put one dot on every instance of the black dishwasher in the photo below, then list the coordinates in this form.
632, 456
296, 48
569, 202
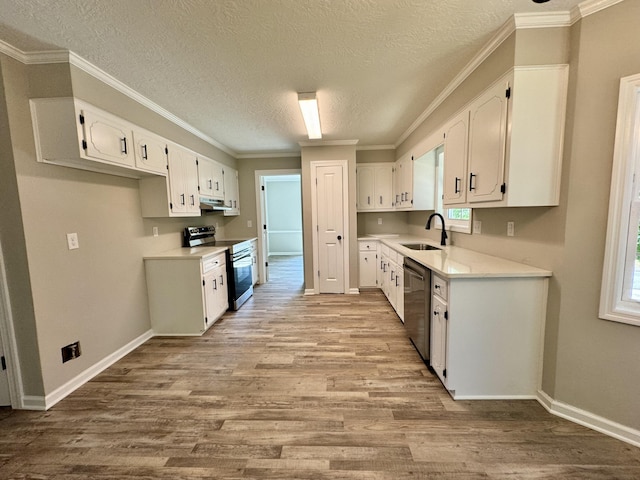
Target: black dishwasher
417, 306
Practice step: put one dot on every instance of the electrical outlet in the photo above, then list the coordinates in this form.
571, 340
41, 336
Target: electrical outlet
249, 223
477, 227
511, 229
155, 231
72, 241
71, 351
379, 220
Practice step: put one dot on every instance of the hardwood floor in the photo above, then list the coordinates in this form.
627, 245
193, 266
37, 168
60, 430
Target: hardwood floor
295, 387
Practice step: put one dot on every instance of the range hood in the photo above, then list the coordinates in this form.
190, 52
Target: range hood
209, 204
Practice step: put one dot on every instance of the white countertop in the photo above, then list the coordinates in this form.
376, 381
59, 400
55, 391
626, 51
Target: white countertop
184, 253
456, 262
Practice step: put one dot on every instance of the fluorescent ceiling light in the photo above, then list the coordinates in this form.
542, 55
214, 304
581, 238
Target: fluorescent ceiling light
309, 108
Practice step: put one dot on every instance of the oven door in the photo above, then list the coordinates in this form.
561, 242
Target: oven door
242, 273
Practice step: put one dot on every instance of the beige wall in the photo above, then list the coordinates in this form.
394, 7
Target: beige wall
589, 363
236, 227
96, 294
323, 153
12, 241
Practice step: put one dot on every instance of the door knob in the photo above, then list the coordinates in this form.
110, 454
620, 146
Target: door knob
339, 237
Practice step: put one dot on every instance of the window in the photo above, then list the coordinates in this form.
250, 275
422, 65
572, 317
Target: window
620, 291
457, 219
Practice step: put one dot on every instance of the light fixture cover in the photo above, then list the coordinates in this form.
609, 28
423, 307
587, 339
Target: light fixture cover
309, 108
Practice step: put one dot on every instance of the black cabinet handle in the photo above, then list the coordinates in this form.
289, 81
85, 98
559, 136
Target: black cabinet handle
124, 145
471, 186
182, 198
457, 187
144, 152
193, 200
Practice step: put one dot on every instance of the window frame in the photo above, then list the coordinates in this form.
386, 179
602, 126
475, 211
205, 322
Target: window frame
614, 304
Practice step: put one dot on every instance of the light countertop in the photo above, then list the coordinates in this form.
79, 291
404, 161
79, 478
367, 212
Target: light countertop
456, 262
184, 253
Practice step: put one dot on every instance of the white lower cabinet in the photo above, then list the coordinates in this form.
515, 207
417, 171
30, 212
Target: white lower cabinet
486, 335
439, 316
389, 269
186, 295
368, 264
254, 260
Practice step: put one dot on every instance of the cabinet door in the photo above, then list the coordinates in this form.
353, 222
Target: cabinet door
439, 337
231, 191
209, 284
107, 138
392, 294
217, 180
183, 182
205, 177
455, 159
404, 182
150, 152
222, 295
400, 292
367, 271
383, 186
487, 142
365, 177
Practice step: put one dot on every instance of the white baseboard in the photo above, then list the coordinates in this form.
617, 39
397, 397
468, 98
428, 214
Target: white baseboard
354, 291
75, 383
494, 397
309, 291
33, 402
589, 420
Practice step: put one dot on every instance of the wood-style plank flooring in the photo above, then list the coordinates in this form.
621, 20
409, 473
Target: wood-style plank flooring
295, 387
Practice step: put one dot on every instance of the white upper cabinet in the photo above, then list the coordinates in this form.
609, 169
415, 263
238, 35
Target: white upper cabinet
73, 133
487, 132
175, 195
231, 192
375, 186
106, 137
150, 151
456, 134
513, 142
183, 182
415, 185
210, 178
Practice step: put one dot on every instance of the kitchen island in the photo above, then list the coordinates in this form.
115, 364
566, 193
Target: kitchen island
485, 316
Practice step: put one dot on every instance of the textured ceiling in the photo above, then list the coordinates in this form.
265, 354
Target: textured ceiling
231, 68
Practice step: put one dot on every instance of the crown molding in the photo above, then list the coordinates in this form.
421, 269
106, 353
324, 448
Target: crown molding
542, 20
328, 143
375, 147
589, 7
501, 35
517, 21
268, 155
65, 56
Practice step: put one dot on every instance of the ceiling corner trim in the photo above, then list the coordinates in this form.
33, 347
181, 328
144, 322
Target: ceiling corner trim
113, 82
590, 7
501, 35
328, 143
12, 52
542, 20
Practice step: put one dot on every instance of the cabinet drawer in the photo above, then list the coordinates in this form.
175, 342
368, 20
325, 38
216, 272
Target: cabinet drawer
210, 263
440, 286
384, 250
368, 246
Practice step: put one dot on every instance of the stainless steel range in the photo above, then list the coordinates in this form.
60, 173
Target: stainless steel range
239, 271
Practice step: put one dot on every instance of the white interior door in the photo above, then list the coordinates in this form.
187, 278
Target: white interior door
265, 230
330, 227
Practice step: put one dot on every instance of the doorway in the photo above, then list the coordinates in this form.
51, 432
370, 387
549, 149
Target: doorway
279, 210
9, 367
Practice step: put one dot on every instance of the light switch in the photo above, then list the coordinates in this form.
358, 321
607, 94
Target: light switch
477, 227
379, 220
72, 241
249, 223
155, 231
511, 229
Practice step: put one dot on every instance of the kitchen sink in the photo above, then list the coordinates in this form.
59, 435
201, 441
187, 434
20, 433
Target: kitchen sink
420, 246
